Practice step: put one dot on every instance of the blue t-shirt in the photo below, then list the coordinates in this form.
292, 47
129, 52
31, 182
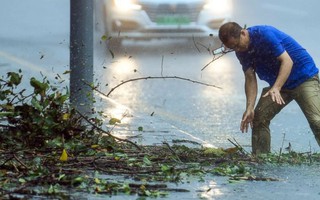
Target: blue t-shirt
266, 44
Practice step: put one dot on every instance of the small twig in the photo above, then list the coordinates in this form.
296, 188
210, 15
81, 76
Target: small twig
162, 65
6, 161
15, 167
208, 64
19, 161
62, 138
280, 153
214, 59
309, 154
238, 146
195, 44
204, 46
173, 152
242, 149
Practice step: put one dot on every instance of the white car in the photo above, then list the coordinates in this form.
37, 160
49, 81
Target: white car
147, 19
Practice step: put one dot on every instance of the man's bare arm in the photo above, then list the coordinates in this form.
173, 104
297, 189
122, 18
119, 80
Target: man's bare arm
284, 72
251, 88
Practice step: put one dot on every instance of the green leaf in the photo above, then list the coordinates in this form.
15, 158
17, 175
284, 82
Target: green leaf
104, 38
67, 72
165, 168
140, 128
39, 88
63, 98
97, 181
126, 188
15, 78
61, 176
37, 161
214, 152
51, 189
113, 121
21, 180
35, 103
132, 160
147, 192
146, 161
6, 114
78, 179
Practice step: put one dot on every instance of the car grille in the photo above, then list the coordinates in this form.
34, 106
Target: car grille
191, 11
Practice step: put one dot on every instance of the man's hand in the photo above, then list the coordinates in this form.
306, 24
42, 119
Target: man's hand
275, 96
247, 119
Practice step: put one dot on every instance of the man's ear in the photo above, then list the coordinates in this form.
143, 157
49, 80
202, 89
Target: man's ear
243, 32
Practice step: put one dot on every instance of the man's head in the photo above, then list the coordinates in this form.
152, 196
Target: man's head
233, 36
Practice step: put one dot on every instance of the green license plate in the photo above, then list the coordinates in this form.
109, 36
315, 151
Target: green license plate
172, 20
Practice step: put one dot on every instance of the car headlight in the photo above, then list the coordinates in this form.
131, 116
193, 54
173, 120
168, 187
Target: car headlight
126, 5
218, 6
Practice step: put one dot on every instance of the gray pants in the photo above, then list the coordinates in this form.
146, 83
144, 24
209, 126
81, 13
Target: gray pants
307, 95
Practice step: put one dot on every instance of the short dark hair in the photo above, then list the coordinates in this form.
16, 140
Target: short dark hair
228, 30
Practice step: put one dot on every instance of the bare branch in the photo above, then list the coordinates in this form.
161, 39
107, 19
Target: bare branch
160, 77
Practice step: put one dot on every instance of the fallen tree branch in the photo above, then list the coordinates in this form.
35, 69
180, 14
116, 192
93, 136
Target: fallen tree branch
159, 77
254, 178
186, 141
148, 186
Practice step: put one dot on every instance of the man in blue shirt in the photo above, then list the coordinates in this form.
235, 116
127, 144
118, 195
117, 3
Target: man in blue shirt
288, 68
